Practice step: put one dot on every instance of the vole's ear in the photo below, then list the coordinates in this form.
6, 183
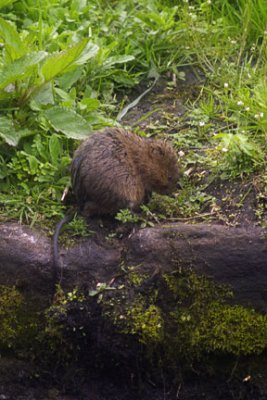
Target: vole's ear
158, 149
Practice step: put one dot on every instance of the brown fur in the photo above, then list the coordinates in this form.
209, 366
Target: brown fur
115, 169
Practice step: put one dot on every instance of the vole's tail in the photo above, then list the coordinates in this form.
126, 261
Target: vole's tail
57, 267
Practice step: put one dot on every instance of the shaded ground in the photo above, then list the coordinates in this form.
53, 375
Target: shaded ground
22, 382
236, 202
162, 108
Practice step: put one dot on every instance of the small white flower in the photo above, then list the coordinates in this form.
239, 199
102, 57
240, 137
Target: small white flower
201, 123
258, 116
226, 84
208, 1
247, 108
224, 149
181, 153
240, 103
10, 88
188, 172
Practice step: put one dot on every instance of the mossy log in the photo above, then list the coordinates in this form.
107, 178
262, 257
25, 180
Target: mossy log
155, 307
234, 256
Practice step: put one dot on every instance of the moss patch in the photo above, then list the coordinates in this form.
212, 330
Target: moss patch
145, 321
204, 322
176, 317
186, 316
10, 305
18, 322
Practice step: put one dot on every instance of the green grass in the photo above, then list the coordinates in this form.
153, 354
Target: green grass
66, 67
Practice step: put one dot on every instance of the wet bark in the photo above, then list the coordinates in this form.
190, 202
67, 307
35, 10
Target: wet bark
235, 256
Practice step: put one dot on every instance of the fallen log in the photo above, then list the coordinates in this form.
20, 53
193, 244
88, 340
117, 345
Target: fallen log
233, 256
115, 331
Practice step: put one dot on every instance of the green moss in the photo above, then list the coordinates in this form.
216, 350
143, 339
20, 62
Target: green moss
203, 322
45, 335
19, 322
187, 316
166, 206
179, 317
60, 337
10, 305
145, 321
232, 329
134, 278
133, 313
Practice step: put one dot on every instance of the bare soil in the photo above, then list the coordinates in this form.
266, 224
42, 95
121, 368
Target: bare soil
22, 381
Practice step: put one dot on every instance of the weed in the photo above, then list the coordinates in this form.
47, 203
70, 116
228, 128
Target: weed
239, 155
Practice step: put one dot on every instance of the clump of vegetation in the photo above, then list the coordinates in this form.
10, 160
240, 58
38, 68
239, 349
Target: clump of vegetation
67, 68
11, 302
206, 323
145, 217
62, 334
19, 322
189, 202
145, 321
188, 318
184, 317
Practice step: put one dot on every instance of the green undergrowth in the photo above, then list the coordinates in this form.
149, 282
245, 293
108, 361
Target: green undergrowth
11, 302
68, 68
184, 318
189, 317
19, 322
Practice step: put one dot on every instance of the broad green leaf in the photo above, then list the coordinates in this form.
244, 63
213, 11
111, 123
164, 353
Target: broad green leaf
54, 149
63, 94
89, 51
44, 95
89, 104
58, 63
68, 122
33, 162
41, 148
69, 78
13, 44
20, 68
10, 135
117, 60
